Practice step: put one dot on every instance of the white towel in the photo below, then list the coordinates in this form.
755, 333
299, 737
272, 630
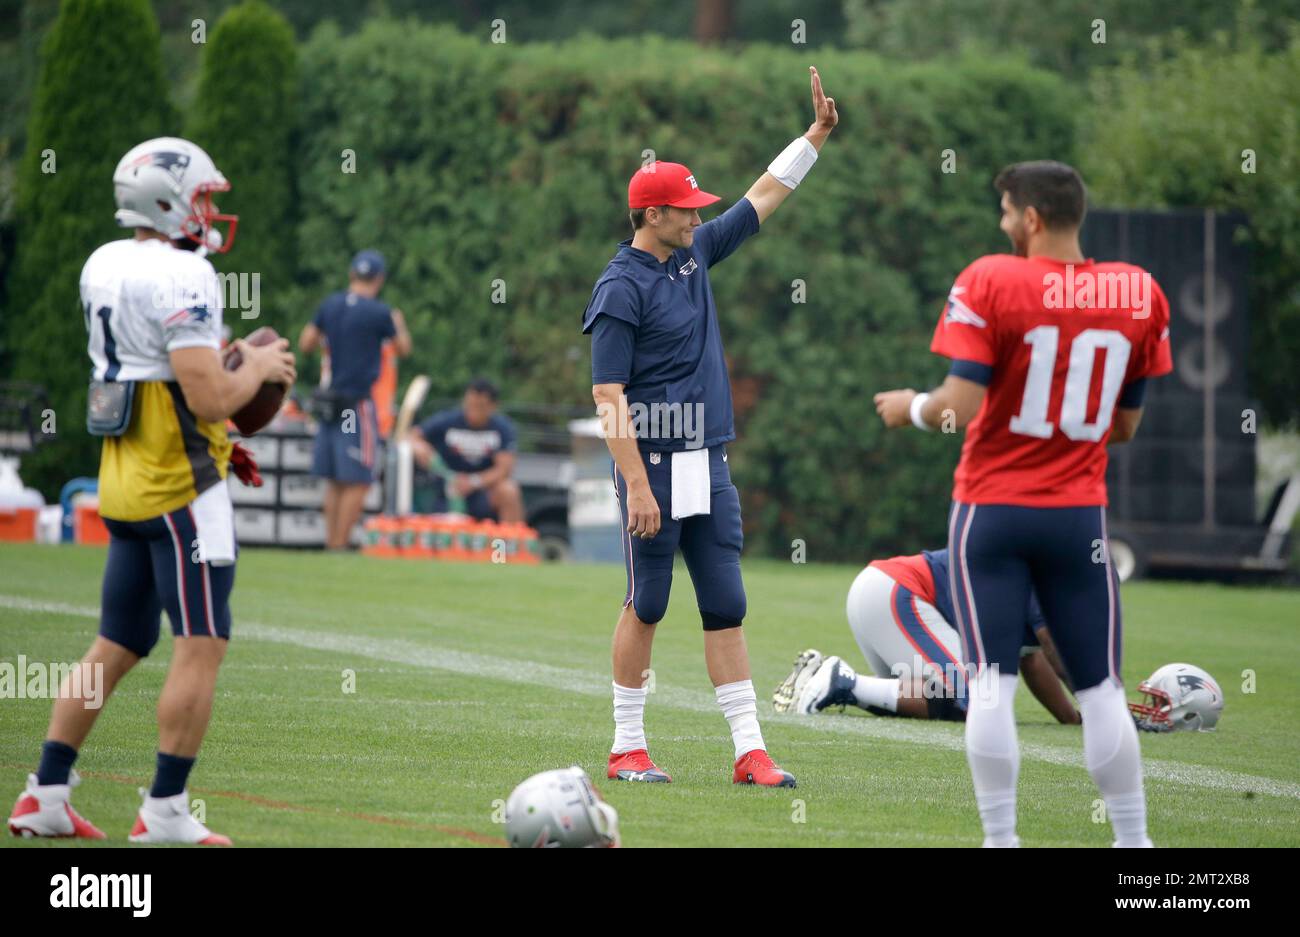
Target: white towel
214, 516
691, 485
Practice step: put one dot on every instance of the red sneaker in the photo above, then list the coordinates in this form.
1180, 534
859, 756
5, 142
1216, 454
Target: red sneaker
635, 766
756, 768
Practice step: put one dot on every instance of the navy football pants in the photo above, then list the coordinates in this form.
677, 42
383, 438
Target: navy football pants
996, 551
710, 544
152, 566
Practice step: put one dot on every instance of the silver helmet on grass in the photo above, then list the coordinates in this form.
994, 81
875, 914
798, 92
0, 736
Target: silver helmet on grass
560, 809
166, 184
1178, 697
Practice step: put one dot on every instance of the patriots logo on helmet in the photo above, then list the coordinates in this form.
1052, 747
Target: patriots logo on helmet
174, 163
1191, 681
168, 160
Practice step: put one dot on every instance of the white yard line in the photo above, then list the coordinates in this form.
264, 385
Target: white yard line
589, 683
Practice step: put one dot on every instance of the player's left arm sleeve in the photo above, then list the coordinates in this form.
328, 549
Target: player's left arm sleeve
716, 240
1158, 358
198, 323
1153, 359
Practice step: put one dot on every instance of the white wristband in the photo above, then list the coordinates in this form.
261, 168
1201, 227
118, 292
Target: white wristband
917, 403
793, 163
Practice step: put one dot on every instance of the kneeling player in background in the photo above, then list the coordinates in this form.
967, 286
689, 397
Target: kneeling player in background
153, 311
900, 611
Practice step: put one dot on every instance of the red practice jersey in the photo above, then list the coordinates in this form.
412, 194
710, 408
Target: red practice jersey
1062, 340
911, 572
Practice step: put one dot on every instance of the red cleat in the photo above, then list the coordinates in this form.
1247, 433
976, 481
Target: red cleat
635, 766
756, 768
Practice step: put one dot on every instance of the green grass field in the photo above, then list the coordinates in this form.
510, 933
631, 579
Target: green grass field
470, 678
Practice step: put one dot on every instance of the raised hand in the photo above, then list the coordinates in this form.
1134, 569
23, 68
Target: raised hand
825, 117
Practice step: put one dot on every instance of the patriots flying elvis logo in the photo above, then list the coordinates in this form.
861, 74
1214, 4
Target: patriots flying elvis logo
1190, 681
197, 314
174, 163
168, 160
958, 311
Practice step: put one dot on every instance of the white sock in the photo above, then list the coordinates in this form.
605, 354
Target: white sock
993, 751
629, 719
740, 706
881, 692
1110, 748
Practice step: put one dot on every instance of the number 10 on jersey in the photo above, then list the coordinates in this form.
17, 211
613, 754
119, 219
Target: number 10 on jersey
1032, 418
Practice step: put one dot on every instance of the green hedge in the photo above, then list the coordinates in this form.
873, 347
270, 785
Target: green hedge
100, 92
478, 161
244, 116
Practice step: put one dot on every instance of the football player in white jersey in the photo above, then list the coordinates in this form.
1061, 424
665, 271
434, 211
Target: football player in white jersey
159, 397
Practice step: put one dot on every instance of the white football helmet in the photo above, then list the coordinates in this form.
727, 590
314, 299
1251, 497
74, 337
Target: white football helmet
560, 808
166, 184
1178, 697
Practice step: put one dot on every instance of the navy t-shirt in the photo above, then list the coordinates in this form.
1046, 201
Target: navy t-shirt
938, 561
654, 329
465, 448
355, 328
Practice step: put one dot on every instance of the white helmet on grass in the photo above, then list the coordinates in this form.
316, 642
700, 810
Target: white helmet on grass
560, 808
1178, 697
166, 184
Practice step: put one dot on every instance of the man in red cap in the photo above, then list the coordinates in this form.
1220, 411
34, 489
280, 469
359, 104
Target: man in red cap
661, 387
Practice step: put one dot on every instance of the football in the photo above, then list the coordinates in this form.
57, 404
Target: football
266, 403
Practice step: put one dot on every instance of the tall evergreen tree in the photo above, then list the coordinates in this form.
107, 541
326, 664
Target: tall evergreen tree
244, 117
100, 91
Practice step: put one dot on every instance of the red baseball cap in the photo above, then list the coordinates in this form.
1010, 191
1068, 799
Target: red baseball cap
662, 183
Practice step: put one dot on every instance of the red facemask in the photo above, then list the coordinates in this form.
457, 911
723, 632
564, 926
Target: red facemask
200, 225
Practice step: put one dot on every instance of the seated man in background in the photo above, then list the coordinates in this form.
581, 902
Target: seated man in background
472, 449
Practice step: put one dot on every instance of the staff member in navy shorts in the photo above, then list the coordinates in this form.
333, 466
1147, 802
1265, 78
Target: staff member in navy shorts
354, 325
661, 388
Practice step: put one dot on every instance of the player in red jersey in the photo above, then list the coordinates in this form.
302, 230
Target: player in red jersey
1050, 354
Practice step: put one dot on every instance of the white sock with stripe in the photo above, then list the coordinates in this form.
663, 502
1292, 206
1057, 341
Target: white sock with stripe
993, 751
740, 705
629, 719
881, 692
1114, 759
